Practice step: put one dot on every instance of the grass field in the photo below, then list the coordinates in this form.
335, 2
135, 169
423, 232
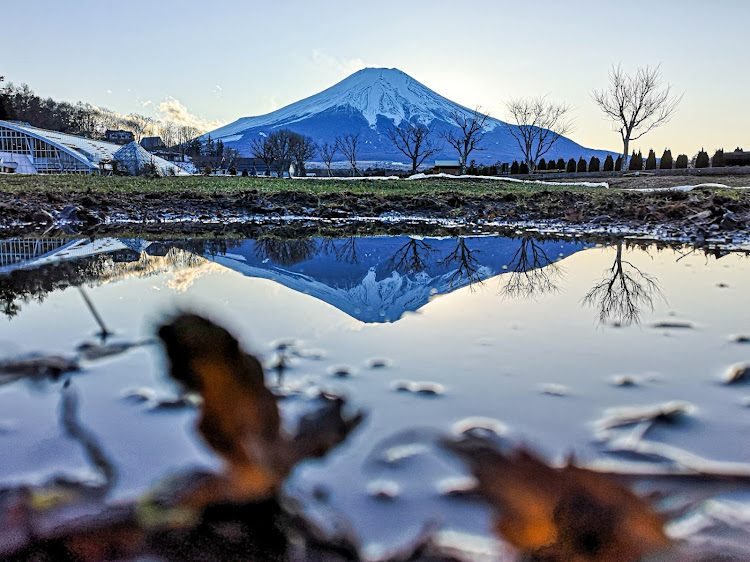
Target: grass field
125, 184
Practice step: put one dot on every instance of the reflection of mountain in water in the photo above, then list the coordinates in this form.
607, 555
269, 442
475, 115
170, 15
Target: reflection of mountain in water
373, 279
377, 279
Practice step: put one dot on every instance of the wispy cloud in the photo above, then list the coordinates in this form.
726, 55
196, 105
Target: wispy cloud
173, 110
146, 103
340, 66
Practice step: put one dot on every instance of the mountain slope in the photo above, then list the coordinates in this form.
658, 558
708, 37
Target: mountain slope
378, 279
371, 101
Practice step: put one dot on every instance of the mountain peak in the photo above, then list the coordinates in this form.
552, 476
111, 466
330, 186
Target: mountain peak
370, 102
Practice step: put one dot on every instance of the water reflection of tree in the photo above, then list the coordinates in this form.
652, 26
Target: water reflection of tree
412, 256
346, 251
468, 265
285, 252
624, 292
531, 272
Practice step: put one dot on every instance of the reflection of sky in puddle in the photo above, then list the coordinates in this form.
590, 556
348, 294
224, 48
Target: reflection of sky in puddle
493, 356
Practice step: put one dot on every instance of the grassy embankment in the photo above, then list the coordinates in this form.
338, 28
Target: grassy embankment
122, 185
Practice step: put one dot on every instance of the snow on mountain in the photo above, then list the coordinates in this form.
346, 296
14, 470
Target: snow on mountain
373, 92
370, 102
378, 279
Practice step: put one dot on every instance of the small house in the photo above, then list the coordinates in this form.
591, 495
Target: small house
452, 167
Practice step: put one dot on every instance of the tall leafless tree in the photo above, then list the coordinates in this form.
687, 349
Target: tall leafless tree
262, 150
623, 293
301, 149
413, 141
537, 124
349, 145
327, 152
636, 103
167, 132
470, 134
531, 272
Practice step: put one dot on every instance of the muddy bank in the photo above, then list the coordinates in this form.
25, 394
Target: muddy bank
700, 214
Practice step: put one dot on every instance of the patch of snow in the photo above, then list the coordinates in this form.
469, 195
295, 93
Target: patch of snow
687, 187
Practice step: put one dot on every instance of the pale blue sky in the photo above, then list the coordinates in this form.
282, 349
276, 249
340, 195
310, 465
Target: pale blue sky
224, 60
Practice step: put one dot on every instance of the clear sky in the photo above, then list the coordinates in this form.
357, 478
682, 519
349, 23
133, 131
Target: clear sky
218, 61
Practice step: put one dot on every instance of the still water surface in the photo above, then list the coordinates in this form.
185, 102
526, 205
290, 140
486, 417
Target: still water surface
532, 335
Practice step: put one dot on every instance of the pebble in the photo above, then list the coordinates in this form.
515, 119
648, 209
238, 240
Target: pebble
737, 373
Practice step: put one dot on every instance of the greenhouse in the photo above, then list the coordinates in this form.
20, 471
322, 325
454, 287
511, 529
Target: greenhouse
28, 150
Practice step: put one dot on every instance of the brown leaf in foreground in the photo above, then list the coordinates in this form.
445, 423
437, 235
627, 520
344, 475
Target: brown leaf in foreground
239, 417
566, 514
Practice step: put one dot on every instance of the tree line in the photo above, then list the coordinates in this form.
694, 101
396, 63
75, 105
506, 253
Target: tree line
20, 103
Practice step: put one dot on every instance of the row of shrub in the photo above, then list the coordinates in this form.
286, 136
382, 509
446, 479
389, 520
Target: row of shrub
636, 162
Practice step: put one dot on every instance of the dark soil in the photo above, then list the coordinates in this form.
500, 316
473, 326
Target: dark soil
698, 214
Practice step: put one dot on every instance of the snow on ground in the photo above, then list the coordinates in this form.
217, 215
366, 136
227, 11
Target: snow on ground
687, 187
449, 176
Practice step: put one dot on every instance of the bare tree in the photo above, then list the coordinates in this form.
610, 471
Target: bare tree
466, 263
636, 103
412, 257
623, 293
185, 134
167, 131
413, 140
301, 149
230, 156
327, 152
531, 272
537, 125
139, 125
263, 151
348, 145
470, 135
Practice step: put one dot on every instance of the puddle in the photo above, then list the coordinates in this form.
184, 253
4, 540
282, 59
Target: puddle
556, 343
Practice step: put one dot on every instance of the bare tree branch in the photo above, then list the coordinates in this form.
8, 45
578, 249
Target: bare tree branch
327, 152
470, 135
636, 103
413, 141
537, 125
348, 145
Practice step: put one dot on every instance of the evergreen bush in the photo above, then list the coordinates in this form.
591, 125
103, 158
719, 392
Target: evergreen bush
523, 168
514, 167
651, 160
594, 164
666, 162
618, 163
636, 161
718, 160
542, 165
571, 167
560, 165
701, 160
581, 167
609, 164
682, 161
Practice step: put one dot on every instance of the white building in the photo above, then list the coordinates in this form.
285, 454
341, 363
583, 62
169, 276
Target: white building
29, 150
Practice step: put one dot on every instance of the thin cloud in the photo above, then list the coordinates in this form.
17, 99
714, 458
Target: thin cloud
339, 66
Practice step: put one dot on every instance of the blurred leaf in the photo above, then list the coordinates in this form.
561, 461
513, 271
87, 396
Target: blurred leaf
560, 514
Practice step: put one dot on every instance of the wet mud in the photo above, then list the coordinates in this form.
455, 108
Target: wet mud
697, 215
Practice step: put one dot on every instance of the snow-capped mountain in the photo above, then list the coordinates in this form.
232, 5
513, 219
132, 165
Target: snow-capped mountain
378, 279
371, 101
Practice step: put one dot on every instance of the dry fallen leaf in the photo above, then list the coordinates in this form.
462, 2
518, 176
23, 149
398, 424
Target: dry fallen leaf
239, 416
568, 514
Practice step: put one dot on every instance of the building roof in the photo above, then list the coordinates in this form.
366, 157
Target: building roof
134, 157
89, 152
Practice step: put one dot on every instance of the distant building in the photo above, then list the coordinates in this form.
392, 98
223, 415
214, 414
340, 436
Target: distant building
29, 150
152, 143
119, 136
447, 167
737, 158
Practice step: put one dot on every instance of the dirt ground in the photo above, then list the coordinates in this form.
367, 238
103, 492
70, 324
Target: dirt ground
698, 214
